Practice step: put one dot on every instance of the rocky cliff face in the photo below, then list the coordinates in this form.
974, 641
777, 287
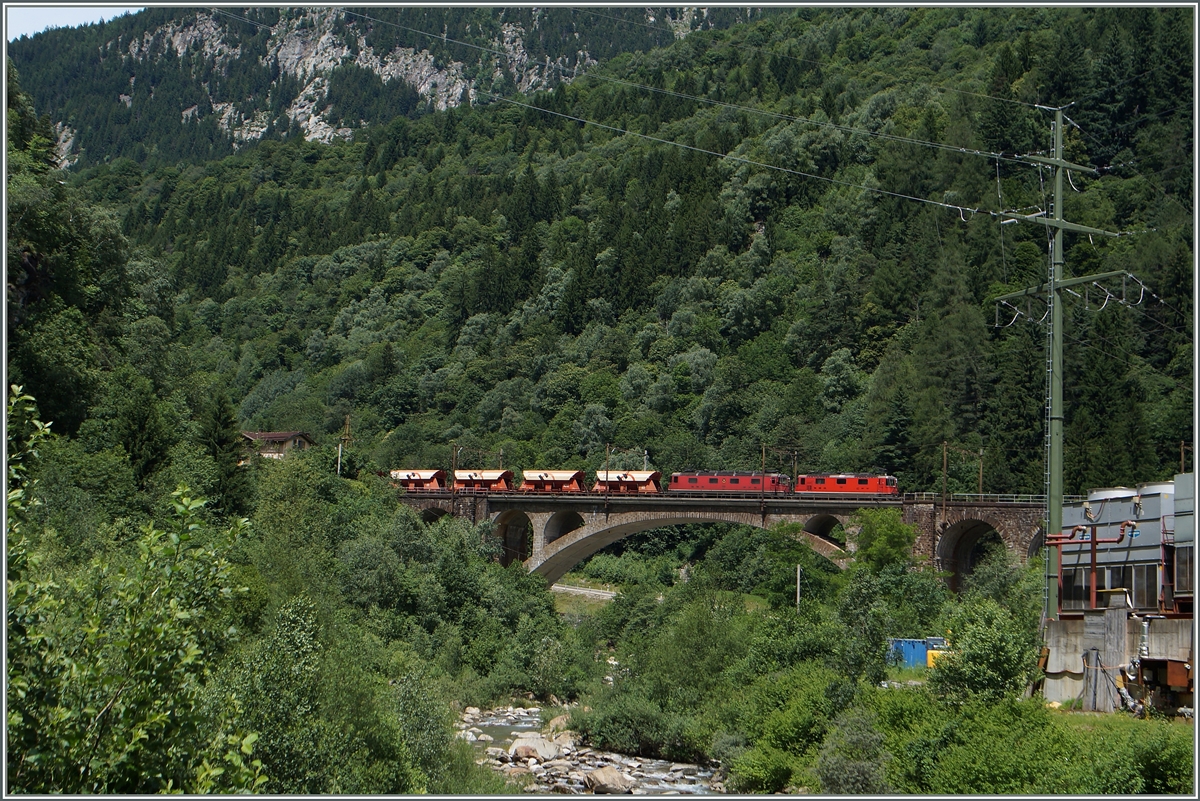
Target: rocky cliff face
309, 47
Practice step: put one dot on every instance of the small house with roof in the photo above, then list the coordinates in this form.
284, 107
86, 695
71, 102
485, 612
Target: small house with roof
276, 444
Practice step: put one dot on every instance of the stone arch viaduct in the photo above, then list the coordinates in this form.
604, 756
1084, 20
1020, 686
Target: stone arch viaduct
550, 534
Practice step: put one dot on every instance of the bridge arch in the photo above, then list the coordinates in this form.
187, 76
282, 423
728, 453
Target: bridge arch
821, 525
1035, 545
554, 558
513, 528
561, 523
962, 542
432, 514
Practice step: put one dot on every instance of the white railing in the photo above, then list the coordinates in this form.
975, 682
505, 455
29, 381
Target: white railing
972, 497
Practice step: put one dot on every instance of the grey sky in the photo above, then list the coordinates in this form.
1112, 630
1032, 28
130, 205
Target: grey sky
30, 19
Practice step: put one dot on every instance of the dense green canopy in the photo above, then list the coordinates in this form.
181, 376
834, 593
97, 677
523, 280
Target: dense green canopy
771, 236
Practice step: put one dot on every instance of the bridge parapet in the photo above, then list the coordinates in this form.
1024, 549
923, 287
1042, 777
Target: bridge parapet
551, 533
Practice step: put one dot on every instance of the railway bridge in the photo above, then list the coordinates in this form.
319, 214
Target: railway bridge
550, 534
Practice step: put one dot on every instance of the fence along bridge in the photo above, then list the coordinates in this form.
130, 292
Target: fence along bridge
550, 534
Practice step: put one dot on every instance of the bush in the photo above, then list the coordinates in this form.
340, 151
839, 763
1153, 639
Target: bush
883, 538
1151, 757
762, 769
328, 722
991, 655
789, 710
627, 722
1005, 747
107, 671
852, 760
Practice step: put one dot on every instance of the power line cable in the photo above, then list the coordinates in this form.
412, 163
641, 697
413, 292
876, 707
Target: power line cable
962, 210
988, 97
740, 45
444, 38
836, 126
1015, 158
1162, 191
802, 60
243, 19
1129, 365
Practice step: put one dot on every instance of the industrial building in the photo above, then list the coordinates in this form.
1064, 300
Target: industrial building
1122, 635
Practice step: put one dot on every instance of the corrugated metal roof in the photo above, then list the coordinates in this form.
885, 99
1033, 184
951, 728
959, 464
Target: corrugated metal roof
274, 436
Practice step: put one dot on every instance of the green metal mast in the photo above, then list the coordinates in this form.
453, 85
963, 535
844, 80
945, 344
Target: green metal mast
1052, 290
1054, 460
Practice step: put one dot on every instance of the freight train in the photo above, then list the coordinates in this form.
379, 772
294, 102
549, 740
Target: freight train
643, 482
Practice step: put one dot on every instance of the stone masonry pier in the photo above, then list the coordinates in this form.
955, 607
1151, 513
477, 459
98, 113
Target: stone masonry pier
550, 534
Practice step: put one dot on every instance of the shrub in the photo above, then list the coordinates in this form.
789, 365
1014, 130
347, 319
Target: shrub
627, 722
107, 672
789, 710
1151, 757
1005, 747
852, 760
991, 655
762, 769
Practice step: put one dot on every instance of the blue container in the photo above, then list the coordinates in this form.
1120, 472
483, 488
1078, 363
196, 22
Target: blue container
909, 653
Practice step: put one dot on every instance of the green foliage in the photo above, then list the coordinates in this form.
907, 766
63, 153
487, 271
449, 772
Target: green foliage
1127, 757
222, 441
318, 733
762, 769
763, 562
493, 278
852, 759
915, 599
883, 539
993, 631
296, 264
107, 670
990, 657
862, 613
1003, 748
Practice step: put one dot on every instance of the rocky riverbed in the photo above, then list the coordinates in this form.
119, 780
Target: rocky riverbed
513, 742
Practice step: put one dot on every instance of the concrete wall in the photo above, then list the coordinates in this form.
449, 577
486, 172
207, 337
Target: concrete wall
1068, 640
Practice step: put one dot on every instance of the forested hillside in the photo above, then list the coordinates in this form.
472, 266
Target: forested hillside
171, 83
765, 238
505, 275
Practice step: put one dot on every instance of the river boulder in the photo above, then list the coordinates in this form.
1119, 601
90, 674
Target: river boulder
609, 780
535, 745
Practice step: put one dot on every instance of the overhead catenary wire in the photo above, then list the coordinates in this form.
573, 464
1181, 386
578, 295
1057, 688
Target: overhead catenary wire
744, 160
807, 60
1110, 296
1014, 158
989, 97
670, 31
961, 209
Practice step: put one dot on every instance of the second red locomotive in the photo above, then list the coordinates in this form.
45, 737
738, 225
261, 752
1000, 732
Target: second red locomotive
847, 482
729, 481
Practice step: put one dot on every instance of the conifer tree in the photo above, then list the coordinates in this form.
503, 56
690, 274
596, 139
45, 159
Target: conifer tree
221, 439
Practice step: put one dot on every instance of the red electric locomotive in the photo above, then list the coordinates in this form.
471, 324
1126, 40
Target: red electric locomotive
847, 482
729, 481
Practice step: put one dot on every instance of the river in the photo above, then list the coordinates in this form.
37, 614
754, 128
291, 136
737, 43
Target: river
563, 765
